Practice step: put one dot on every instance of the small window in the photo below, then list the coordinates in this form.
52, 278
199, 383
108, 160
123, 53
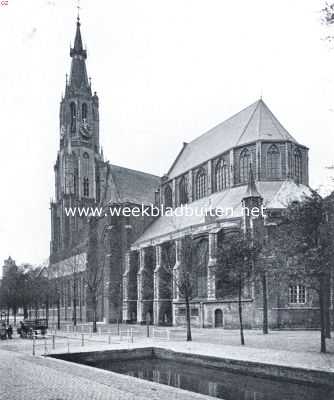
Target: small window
73, 117
86, 187
84, 111
273, 162
221, 175
297, 294
183, 190
297, 165
200, 184
168, 195
244, 165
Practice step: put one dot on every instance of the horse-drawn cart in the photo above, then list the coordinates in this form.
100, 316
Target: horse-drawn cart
33, 327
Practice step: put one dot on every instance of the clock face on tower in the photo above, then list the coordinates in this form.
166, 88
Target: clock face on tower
85, 130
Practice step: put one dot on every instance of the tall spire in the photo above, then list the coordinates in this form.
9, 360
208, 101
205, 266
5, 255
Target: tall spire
251, 190
78, 76
78, 47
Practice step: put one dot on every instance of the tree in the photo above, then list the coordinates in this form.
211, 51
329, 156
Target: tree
10, 290
310, 251
237, 256
74, 266
269, 264
185, 278
96, 257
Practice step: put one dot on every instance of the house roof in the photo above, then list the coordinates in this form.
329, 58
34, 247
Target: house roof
131, 186
256, 122
276, 195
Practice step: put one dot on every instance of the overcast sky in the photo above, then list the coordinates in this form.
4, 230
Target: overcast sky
165, 72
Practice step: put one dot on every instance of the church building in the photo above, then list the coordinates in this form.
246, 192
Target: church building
248, 159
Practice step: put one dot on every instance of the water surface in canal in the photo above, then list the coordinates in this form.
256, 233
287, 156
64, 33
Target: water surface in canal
215, 382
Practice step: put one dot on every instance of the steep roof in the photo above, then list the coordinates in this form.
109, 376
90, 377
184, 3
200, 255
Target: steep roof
276, 195
256, 122
131, 186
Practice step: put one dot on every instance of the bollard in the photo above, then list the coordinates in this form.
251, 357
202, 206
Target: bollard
109, 339
131, 335
53, 342
45, 347
33, 345
82, 340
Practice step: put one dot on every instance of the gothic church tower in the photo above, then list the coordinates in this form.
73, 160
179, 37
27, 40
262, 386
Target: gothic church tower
77, 165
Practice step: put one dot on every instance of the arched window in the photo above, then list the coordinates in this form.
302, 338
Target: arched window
200, 268
200, 184
273, 162
75, 180
244, 163
183, 190
73, 117
86, 187
297, 165
85, 174
221, 175
168, 196
84, 111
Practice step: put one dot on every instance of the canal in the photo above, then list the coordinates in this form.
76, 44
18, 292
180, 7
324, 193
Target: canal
215, 382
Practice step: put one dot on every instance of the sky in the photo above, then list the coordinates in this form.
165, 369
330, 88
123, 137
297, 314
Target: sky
165, 72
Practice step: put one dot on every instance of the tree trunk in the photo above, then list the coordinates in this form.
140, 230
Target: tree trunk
25, 312
36, 311
94, 316
265, 303
74, 305
58, 313
327, 300
322, 316
47, 309
15, 312
8, 311
189, 338
240, 313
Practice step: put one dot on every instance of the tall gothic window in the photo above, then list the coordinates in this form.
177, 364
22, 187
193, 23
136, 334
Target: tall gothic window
221, 175
86, 187
85, 173
84, 111
75, 181
168, 196
201, 267
183, 190
244, 163
73, 117
273, 162
297, 165
200, 184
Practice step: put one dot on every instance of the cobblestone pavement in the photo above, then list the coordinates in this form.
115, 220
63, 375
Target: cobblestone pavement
24, 377
291, 340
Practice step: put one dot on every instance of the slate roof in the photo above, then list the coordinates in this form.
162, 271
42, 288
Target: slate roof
256, 122
276, 195
131, 186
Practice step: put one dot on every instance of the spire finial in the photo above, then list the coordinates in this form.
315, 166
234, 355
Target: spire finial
251, 190
79, 8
